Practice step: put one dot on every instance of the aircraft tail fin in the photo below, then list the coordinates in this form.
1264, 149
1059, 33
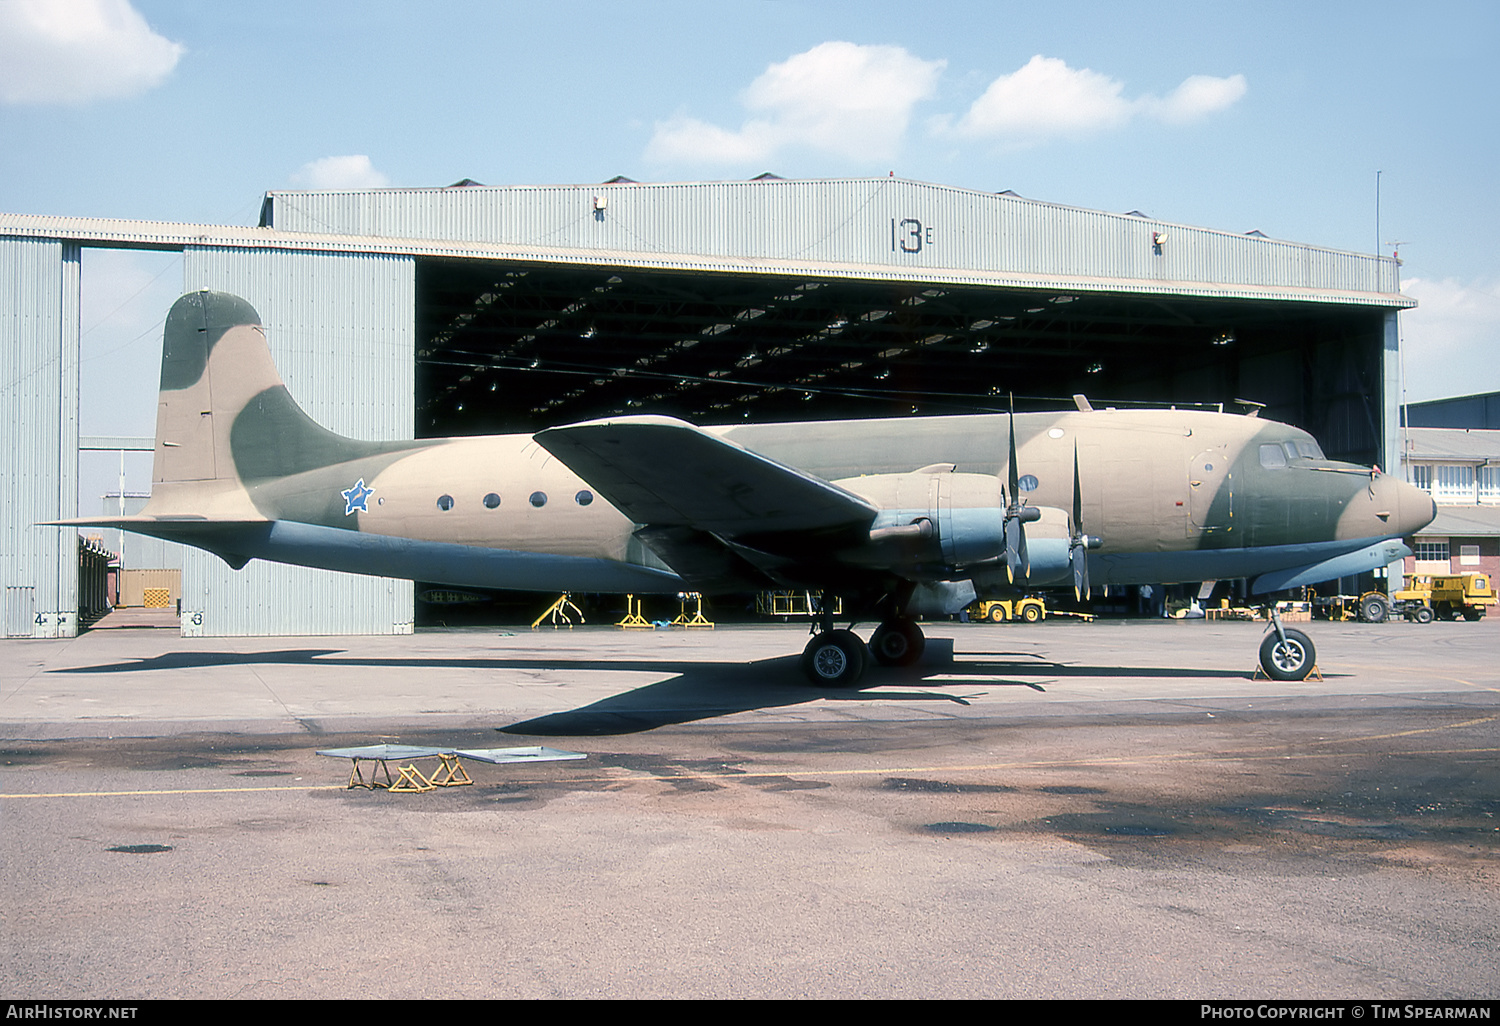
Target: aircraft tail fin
225, 420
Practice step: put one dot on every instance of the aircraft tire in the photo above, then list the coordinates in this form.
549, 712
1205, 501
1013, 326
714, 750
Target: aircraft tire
834, 659
1289, 660
897, 643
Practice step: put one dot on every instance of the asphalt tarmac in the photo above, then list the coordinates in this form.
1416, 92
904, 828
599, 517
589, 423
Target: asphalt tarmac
1069, 810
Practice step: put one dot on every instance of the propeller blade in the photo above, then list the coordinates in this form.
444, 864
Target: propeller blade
1015, 515
1078, 555
1015, 474
1080, 543
1017, 564
1077, 496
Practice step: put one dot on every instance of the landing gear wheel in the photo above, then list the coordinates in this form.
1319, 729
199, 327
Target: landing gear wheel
1373, 609
834, 659
1292, 659
897, 643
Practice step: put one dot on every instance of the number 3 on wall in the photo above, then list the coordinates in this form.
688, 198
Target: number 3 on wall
909, 235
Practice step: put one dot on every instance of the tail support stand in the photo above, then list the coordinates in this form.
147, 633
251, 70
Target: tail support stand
558, 611
634, 621
697, 619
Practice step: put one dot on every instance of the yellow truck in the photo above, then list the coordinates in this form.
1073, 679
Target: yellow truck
1445, 597
1029, 609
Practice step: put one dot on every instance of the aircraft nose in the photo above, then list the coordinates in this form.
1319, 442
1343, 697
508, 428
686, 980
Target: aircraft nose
1415, 508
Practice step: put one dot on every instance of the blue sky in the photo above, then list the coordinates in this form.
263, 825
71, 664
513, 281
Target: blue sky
1239, 116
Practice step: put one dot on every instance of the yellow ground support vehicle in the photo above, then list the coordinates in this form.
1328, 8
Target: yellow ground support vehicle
1030, 609
1445, 597
1371, 607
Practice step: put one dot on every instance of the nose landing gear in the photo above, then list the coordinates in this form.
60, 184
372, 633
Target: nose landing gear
1287, 654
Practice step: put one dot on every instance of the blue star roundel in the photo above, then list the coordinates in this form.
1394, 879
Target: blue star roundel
357, 498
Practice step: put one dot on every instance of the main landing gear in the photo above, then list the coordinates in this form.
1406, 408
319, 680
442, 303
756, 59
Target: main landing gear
837, 658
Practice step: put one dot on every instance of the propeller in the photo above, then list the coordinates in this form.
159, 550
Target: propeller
1017, 514
1080, 543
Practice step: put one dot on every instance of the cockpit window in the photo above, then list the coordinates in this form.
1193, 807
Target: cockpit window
1304, 448
1272, 456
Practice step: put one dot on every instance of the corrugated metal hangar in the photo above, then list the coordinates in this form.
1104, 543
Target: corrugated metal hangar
400, 313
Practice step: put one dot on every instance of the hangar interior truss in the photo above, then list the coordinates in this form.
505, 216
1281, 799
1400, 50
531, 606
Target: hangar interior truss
512, 308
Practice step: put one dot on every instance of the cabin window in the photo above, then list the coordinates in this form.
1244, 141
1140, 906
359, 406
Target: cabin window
491, 501
1027, 482
1272, 456
445, 502
584, 497
539, 499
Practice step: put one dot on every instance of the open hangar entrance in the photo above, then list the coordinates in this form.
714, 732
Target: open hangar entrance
507, 346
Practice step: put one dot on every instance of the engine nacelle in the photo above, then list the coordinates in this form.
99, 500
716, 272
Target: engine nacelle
934, 522
1047, 550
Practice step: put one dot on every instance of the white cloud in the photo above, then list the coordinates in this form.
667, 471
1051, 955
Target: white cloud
1451, 341
842, 98
73, 51
1047, 98
352, 172
1197, 97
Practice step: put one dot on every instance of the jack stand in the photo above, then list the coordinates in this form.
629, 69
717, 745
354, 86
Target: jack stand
357, 778
634, 621
697, 619
450, 773
409, 780
558, 611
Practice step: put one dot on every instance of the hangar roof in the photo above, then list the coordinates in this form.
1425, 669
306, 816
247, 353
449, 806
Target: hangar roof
872, 229
1453, 445
857, 227
1463, 522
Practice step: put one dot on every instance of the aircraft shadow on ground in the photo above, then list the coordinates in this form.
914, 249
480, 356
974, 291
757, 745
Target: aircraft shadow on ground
698, 690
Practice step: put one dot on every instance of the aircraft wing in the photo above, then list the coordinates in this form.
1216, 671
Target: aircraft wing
664, 472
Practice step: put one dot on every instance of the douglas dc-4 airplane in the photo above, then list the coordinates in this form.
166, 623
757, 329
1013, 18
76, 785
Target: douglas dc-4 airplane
897, 517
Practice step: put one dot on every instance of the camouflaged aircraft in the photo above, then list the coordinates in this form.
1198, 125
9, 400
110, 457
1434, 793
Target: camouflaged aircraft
899, 518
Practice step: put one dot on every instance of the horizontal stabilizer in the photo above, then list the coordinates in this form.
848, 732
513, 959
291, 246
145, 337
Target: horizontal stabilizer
225, 538
661, 471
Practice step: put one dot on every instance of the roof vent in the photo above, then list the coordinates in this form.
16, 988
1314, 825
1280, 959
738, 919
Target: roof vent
463, 183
